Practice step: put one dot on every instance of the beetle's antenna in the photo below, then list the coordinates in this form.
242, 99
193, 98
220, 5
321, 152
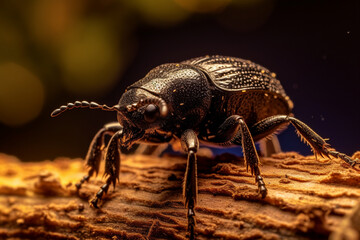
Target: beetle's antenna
157, 101
83, 104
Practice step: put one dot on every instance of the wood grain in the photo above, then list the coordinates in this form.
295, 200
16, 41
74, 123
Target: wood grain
307, 199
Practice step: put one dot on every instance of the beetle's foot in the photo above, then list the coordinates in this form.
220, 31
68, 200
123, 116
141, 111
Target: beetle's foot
191, 223
99, 194
263, 191
261, 186
79, 184
94, 202
346, 158
355, 162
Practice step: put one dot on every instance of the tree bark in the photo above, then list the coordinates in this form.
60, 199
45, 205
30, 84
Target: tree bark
306, 199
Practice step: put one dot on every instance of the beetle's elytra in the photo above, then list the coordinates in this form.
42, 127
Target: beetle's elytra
215, 99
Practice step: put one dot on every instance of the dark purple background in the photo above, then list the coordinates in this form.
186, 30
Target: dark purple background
311, 45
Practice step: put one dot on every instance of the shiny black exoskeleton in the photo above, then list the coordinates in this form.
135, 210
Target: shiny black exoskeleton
215, 99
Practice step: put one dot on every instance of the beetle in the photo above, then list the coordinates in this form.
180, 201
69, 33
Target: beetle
212, 99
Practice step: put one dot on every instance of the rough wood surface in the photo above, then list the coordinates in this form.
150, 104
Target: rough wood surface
307, 199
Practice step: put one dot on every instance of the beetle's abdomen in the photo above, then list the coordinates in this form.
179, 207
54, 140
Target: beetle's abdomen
236, 75
253, 105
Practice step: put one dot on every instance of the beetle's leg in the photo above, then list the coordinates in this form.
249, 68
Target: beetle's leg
318, 144
227, 131
269, 146
234, 130
96, 150
112, 167
190, 145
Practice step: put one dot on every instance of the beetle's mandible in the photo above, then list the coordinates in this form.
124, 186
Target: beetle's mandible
215, 99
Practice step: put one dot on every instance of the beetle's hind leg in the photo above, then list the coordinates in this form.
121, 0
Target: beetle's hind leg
190, 145
235, 131
96, 150
112, 167
319, 146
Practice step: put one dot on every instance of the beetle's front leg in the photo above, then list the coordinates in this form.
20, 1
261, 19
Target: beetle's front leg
112, 167
96, 150
126, 136
190, 145
235, 131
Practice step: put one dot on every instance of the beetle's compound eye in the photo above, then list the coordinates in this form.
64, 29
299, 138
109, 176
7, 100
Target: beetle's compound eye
151, 113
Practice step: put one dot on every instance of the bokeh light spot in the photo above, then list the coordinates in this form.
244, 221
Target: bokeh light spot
91, 59
21, 95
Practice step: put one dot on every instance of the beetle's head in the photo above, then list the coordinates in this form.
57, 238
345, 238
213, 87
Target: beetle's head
142, 109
